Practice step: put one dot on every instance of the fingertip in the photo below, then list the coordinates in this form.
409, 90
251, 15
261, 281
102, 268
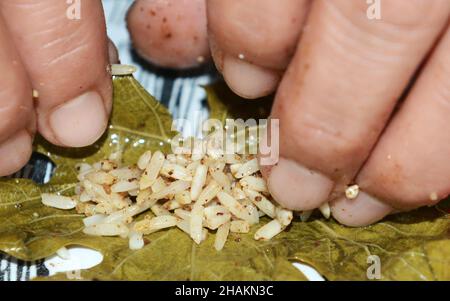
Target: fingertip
297, 187
361, 211
248, 80
170, 34
15, 152
79, 122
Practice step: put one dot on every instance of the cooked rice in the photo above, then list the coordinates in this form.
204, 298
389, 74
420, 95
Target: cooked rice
58, 201
221, 236
269, 230
199, 193
121, 69
325, 210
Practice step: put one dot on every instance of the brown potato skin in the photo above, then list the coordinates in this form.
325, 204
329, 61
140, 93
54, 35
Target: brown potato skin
170, 33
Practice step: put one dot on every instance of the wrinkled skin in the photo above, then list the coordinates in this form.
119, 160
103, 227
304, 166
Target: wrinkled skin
338, 76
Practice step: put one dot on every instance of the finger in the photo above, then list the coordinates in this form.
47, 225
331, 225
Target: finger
409, 167
252, 41
67, 60
340, 90
15, 152
16, 107
170, 33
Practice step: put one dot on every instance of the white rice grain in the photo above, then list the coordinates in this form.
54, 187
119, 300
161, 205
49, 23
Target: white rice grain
144, 160
237, 192
352, 192
58, 201
183, 198
126, 213
210, 192
94, 190
106, 230
254, 183
171, 158
234, 168
143, 195
253, 217
248, 168
171, 205
196, 223
215, 216
94, 219
198, 181
152, 171
85, 197
136, 240
158, 210
121, 70
221, 236
107, 165
174, 171
183, 214
269, 230
232, 159
126, 173
182, 160
84, 169
234, 206
221, 178
158, 185
124, 186
185, 227
261, 202
325, 210
172, 189
148, 226
284, 216
100, 177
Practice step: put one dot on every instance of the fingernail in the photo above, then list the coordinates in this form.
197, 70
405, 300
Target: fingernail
216, 53
248, 80
80, 121
297, 187
361, 211
113, 53
15, 152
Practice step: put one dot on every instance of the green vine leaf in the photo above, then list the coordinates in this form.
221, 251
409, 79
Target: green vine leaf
410, 246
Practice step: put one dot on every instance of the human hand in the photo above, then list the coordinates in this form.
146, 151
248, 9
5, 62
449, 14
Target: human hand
66, 62
339, 76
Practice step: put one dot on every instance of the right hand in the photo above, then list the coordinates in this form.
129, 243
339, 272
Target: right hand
338, 77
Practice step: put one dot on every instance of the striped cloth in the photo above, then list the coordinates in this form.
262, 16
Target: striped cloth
179, 91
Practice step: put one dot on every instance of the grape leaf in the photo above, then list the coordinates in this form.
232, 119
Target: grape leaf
30, 231
223, 104
410, 246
